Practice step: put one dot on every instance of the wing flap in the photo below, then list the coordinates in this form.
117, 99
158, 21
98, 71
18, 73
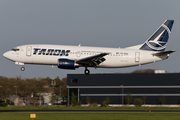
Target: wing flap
92, 60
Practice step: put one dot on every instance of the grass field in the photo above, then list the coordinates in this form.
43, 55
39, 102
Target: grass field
91, 116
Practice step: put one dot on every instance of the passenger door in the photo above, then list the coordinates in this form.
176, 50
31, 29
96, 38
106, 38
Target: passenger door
28, 51
137, 57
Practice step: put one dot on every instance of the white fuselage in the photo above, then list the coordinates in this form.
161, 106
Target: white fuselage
49, 55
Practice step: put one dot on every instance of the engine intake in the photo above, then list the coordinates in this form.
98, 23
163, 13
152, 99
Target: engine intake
66, 64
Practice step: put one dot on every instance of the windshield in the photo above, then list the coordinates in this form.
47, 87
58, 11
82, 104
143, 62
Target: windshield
15, 49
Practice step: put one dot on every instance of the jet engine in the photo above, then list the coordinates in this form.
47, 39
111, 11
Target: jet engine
67, 64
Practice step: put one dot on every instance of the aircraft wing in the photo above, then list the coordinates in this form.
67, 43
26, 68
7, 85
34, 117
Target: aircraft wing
92, 60
164, 53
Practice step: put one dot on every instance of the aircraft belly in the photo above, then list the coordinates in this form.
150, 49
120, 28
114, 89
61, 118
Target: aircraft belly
45, 60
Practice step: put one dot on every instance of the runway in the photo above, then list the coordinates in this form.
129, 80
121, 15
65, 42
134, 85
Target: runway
91, 111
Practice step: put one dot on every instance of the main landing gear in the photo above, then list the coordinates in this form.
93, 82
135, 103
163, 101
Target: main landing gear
86, 71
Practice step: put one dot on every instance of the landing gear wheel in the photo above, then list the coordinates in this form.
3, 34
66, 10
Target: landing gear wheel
86, 71
22, 68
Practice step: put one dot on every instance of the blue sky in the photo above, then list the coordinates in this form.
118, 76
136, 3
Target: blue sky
103, 23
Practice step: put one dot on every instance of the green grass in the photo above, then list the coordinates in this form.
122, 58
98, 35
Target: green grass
89, 108
91, 116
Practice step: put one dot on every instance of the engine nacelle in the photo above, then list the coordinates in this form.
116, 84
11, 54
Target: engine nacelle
66, 64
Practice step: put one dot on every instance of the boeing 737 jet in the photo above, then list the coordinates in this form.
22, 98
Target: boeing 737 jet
72, 57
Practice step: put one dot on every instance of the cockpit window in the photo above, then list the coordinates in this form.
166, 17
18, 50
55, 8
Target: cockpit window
15, 49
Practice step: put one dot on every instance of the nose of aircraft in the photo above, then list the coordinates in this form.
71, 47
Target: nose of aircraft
5, 54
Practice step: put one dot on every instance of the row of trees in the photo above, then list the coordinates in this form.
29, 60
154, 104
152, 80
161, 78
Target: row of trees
142, 100
31, 87
144, 71
128, 100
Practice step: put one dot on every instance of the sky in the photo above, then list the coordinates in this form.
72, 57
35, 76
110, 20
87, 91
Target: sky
100, 23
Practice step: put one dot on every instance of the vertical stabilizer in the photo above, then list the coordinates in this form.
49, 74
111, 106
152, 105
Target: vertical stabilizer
158, 40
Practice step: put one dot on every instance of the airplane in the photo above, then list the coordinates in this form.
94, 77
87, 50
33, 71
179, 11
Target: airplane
72, 57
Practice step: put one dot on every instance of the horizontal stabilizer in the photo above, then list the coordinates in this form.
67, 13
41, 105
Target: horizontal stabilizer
164, 53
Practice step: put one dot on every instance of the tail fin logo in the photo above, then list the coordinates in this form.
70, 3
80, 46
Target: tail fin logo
156, 40
159, 39
159, 42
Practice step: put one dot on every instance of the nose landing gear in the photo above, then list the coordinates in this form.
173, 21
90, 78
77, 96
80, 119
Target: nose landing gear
19, 63
23, 68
